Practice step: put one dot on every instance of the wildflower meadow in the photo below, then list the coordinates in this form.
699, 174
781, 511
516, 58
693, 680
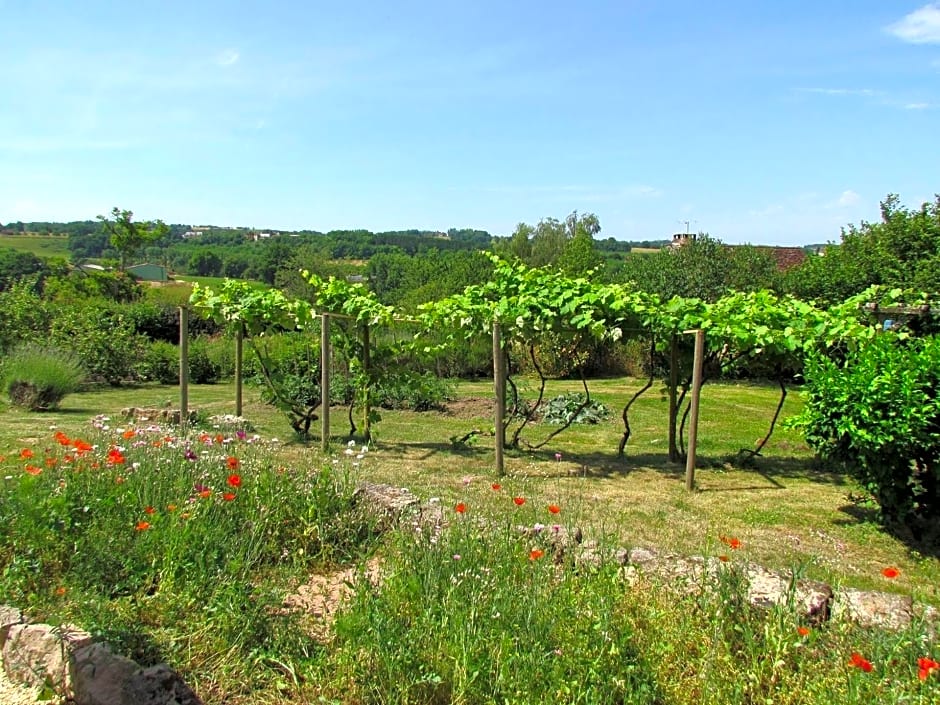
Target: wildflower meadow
181, 547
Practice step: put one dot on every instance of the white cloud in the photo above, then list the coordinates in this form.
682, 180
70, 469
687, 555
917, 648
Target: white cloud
226, 57
922, 26
916, 106
848, 198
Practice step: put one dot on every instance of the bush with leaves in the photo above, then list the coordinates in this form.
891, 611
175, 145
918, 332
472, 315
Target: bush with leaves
570, 408
102, 338
876, 413
38, 378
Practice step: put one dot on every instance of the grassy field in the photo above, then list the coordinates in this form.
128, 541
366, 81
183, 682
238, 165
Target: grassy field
184, 550
785, 511
39, 245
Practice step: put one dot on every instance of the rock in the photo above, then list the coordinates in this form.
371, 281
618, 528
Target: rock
873, 609
689, 574
157, 685
99, 676
387, 503
38, 654
9, 616
769, 588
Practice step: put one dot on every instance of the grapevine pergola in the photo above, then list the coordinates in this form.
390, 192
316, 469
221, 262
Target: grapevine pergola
523, 308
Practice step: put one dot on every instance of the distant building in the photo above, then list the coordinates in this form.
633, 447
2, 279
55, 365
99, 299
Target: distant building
149, 272
786, 257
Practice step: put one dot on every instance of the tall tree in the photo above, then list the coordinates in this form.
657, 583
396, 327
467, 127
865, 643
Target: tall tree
127, 236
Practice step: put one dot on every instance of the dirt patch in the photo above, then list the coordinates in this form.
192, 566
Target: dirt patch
471, 408
319, 599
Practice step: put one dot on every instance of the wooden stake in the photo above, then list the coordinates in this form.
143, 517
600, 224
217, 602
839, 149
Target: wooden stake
184, 368
499, 388
239, 335
325, 382
693, 420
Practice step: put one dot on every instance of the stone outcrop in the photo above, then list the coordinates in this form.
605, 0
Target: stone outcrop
65, 661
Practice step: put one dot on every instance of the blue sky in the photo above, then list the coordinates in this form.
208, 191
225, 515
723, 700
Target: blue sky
762, 122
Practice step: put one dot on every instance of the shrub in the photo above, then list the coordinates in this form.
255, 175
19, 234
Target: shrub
38, 378
202, 370
567, 408
102, 338
408, 390
876, 414
161, 363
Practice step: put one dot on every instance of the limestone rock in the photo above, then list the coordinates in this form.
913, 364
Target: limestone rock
386, 502
770, 588
9, 616
99, 676
873, 609
157, 685
38, 654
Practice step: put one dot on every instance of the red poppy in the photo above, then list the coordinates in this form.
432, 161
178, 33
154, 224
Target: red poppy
496, 487
142, 525
129, 433
26, 454
205, 494
519, 501
554, 508
802, 631
231, 462
890, 572
859, 662
61, 590
68, 458
81, 447
171, 507
234, 480
50, 462
733, 543
32, 470
203, 437
535, 554
62, 439
460, 508
925, 665
149, 510
115, 457
228, 496
219, 438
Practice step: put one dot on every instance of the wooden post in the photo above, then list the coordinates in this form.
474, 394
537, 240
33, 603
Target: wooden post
367, 396
673, 402
184, 368
324, 382
499, 387
239, 336
693, 420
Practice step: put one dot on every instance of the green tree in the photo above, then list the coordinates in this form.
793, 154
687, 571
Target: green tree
127, 236
703, 268
902, 250
205, 263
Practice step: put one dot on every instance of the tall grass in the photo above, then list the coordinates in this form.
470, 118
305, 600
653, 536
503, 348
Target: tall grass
38, 378
477, 615
172, 548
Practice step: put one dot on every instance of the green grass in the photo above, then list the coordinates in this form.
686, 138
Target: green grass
491, 625
39, 245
